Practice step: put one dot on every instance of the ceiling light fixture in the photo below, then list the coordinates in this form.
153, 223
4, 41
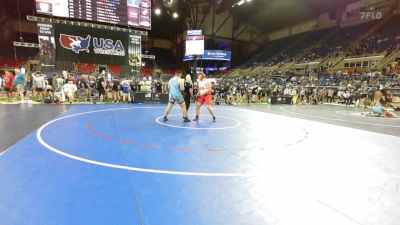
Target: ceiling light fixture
241, 2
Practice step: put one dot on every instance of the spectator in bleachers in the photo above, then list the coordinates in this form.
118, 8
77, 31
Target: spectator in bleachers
306, 82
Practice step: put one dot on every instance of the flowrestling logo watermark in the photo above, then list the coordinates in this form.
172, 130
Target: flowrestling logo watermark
371, 15
101, 46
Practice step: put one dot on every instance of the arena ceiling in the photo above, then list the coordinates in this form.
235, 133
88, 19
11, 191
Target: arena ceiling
265, 15
247, 23
217, 17
271, 15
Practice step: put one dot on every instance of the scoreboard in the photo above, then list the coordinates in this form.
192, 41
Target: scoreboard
101, 11
194, 43
135, 13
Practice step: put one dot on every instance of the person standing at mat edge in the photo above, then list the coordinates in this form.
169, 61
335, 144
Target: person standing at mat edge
8, 80
204, 96
101, 88
176, 86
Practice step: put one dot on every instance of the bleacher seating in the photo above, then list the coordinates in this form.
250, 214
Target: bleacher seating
279, 51
146, 71
11, 63
328, 46
311, 39
345, 37
263, 56
169, 71
386, 38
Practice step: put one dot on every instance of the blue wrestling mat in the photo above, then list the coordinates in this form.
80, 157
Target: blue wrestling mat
122, 165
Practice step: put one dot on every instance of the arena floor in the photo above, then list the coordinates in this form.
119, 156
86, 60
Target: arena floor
120, 164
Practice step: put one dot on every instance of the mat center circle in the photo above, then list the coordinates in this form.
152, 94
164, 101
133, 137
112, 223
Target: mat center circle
204, 123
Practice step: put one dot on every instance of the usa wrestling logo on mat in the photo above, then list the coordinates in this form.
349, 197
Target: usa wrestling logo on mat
75, 43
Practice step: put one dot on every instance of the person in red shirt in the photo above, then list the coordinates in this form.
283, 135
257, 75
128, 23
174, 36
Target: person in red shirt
389, 99
8, 85
71, 78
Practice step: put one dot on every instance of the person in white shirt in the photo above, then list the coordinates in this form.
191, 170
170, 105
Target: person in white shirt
59, 82
287, 91
294, 95
126, 90
70, 89
346, 98
59, 94
39, 84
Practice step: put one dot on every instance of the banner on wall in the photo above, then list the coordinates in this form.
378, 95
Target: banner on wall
47, 45
83, 44
135, 49
212, 55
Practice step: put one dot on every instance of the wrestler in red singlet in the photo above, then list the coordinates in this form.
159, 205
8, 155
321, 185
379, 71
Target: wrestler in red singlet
204, 96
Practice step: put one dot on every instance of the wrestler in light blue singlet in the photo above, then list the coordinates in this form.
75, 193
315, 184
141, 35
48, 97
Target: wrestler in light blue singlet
378, 110
175, 94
